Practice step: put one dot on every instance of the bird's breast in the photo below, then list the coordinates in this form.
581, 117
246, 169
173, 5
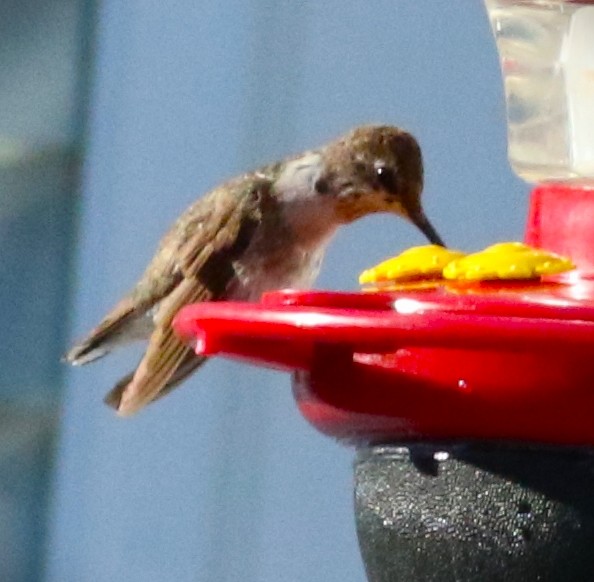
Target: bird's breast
261, 270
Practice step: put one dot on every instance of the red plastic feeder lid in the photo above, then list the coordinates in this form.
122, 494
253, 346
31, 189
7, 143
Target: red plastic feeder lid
498, 361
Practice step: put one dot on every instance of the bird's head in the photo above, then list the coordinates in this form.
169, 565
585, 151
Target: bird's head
376, 169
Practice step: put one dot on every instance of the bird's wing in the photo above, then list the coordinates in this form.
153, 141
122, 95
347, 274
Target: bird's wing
130, 318
205, 261
187, 367
195, 235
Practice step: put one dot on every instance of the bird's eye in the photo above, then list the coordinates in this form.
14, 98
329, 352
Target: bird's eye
386, 178
321, 186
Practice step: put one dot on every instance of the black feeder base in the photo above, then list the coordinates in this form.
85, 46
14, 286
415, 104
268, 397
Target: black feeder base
480, 512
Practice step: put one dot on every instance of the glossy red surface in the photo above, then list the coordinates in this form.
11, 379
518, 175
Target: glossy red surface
495, 361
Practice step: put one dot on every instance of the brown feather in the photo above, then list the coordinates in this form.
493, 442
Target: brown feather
190, 364
206, 262
112, 324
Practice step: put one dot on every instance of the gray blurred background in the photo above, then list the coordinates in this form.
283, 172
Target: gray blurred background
114, 116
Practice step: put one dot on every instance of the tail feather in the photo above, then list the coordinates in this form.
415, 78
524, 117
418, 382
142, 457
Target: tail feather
121, 325
84, 353
186, 368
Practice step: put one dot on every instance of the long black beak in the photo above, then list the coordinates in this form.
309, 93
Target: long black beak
422, 223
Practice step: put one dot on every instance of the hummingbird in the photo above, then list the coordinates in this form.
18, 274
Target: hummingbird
264, 230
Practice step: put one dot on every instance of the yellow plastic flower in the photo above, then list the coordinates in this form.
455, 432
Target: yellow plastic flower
502, 261
425, 262
511, 260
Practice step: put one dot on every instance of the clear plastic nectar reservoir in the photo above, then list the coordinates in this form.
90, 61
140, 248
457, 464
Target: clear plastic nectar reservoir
546, 49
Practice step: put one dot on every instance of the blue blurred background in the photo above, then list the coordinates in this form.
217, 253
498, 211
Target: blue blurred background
114, 116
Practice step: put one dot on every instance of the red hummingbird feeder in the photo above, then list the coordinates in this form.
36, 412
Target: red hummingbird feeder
498, 361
